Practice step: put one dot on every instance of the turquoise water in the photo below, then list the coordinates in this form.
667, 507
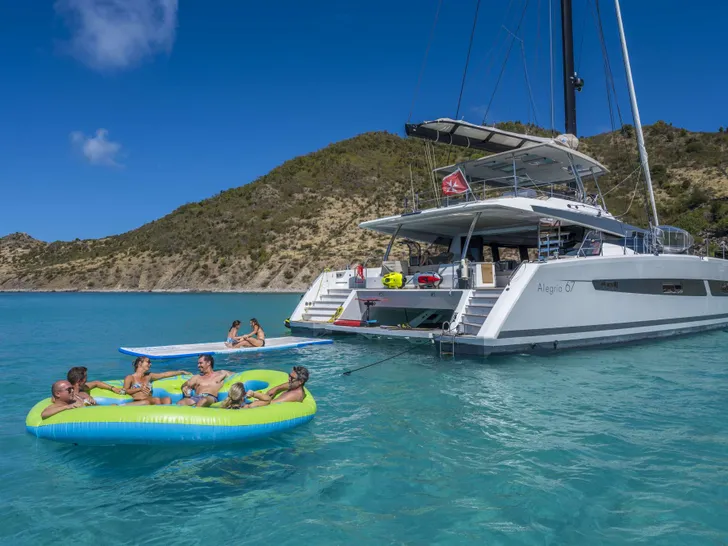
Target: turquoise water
592, 447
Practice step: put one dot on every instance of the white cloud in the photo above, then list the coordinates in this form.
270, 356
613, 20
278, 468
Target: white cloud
117, 34
97, 150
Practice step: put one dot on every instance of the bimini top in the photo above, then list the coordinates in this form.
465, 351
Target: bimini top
536, 164
469, 135
500, 216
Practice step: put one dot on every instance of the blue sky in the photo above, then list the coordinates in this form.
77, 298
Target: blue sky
111, 117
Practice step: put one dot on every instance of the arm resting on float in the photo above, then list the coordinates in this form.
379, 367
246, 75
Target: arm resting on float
260, 396
53, 409
276, 390
164, 375
102, 385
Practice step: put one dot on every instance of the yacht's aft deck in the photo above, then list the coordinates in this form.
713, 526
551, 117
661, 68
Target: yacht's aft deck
326, 328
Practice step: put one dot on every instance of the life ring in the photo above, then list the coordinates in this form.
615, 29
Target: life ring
107, 424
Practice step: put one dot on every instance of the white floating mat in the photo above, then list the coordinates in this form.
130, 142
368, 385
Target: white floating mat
219, 348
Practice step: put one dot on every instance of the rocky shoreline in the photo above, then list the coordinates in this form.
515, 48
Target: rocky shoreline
155, 291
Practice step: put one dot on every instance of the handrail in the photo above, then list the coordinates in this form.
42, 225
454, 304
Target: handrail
513, 273
485, 189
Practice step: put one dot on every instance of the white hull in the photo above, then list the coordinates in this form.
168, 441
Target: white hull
566, 303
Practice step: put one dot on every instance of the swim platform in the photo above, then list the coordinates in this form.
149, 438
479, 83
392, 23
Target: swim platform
107, 424
219, 348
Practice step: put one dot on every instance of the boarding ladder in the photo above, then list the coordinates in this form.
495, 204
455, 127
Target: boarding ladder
447, 336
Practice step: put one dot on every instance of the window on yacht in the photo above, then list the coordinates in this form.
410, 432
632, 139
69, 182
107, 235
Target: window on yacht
612, 286
438, 252
672, 288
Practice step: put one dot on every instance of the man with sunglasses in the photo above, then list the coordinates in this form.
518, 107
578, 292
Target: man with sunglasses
292, 390
63, 396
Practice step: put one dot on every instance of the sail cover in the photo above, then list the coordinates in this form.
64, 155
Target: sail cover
469, 135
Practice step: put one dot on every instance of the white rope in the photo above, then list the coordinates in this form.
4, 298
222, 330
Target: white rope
634, 193
623, 181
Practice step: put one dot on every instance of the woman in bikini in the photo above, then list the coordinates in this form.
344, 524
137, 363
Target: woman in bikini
139, 384
232, 336
256, 338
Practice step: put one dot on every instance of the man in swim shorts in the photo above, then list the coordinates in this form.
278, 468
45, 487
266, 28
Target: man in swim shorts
206, 385
78, 378
63, 397
292, 390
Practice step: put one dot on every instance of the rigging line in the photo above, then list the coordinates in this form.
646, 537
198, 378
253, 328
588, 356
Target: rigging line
467, 59
634, 193
424, 61
430, 165
581, 42
490, 56
505, 62
609, 64
606, 71
528, 84
532, 104
630, 175
538, 36
465, 72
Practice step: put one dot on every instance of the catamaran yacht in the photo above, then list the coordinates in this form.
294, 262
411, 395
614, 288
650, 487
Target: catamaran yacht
583, 277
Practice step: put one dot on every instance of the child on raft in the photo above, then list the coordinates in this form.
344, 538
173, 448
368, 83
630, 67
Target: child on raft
236, 398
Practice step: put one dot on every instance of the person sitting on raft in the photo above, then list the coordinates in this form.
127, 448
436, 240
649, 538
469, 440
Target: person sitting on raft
139, 384
237, 395
206, 385
78, 378
292, 390
235, 398
63, 397
232, 335
256, 338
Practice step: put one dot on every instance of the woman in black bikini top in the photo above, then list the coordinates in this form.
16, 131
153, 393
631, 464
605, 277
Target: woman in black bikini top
256, 338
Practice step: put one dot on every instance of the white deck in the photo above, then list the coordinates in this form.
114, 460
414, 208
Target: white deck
368, 331
219, 348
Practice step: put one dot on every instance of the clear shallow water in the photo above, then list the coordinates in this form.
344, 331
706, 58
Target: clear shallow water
592, 447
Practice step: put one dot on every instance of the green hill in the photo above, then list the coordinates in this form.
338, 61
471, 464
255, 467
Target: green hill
282, 229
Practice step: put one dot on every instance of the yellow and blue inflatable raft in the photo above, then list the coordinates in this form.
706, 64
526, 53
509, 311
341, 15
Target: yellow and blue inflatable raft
107, 424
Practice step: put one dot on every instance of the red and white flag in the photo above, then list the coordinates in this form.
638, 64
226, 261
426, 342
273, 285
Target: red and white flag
455, 183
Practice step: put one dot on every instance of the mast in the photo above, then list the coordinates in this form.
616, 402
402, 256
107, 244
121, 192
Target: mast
636, 115
551, 64
567, 42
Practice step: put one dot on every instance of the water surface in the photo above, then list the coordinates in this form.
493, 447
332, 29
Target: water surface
618, 446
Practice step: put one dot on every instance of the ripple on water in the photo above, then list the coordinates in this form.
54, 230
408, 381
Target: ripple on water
588, 447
